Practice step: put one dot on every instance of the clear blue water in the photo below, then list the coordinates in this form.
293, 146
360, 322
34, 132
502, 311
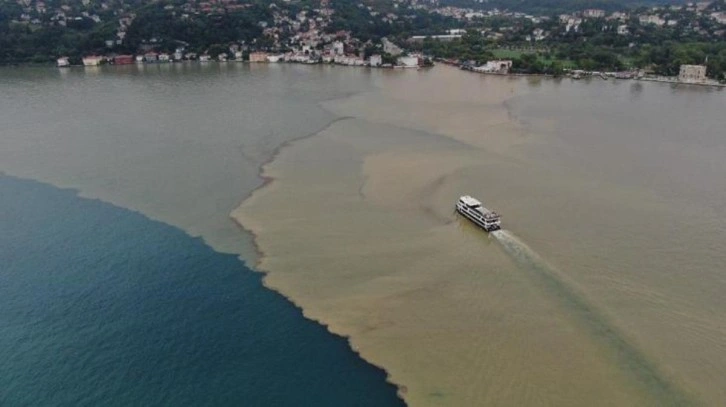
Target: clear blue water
103, 306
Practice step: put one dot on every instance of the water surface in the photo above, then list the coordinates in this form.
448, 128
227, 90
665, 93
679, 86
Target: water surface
102, 306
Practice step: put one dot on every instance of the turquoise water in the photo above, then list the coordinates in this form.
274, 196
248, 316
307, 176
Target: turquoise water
102, 306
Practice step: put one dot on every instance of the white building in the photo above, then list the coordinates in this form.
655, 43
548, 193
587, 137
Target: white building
573, 24
692, 73
375, 60
338, 48
92, 60
63, 62
442, 37
720, 17
593, 13
618, 15
179, 54
495, 66
651, 19
407, 62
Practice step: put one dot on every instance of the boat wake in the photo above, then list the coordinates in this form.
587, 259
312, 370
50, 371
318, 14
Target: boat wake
629, 357
516, 248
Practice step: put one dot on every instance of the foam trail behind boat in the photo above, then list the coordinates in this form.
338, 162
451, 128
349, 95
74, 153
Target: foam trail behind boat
630, 358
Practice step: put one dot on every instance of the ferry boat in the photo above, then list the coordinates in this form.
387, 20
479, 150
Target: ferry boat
475, 212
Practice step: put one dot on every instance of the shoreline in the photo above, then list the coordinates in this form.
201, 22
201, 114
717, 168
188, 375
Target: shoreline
669, 80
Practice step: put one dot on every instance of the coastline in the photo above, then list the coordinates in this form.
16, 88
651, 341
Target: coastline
361, 320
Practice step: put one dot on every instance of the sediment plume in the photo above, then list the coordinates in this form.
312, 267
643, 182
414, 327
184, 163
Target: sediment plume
357, 228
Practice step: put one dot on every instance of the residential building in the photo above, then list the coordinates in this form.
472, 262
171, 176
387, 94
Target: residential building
720, 17
651, 19
593, 13
63, 62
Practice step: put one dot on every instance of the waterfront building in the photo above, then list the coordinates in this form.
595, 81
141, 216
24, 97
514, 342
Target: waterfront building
123, 59
92, 60
63, 62
258, 56
408, 62
139, 59
164, 58
692, 73
151, 57
495, 66
375, 60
